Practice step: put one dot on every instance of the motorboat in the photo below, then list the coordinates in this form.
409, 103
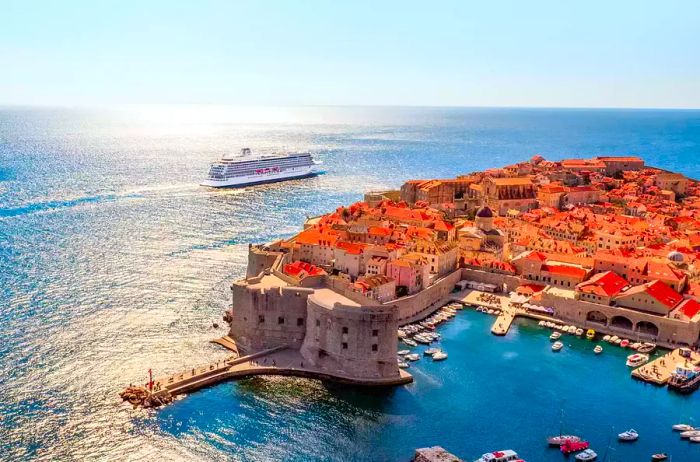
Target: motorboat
440, 356
413, 357
573, 446
690, 434
561, 439
556, 346
647, 347
590, 334
401, 333
404, 365
695, 439
542, 323
409, 342
579, 332
624, 343
606, 338
586, 455
506, 455
618, 341
430, 351
420, 338
629, 435
683, 428
572, 329
659, 456
614, 339
555, 336
564, 328
403, 352
490, 311
637, 359
684, 378
635, 345
598, 349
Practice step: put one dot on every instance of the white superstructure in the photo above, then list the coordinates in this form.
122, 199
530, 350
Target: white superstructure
247, 169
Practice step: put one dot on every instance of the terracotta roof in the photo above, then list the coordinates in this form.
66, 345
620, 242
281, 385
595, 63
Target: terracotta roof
657, 290
354, 248
565, 270
689, 308
301, 269
606, 284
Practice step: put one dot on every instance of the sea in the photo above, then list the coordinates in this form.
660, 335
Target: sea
114, 261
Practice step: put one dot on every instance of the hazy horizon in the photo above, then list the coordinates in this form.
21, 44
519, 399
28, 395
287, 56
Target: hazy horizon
542, 54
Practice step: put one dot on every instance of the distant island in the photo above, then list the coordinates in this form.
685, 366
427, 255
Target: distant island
605, 243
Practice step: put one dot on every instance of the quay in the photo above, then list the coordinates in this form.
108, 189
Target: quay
659, 370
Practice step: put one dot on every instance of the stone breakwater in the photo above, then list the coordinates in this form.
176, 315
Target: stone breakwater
140, 396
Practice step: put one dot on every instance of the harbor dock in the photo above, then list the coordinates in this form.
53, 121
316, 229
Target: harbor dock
659, 370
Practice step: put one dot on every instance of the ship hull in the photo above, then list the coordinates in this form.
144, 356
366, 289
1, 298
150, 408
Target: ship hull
251, 180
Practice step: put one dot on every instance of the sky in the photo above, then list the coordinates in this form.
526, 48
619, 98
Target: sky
426, 53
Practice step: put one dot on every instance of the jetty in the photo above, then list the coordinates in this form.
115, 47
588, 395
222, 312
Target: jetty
279, 361
659, 370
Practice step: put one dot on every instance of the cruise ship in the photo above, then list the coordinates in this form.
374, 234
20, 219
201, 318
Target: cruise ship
248, 169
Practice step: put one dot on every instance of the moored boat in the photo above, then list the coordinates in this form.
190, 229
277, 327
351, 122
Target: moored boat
439, 356
624, 343
430, 351
403, 352
598, 349
629, 435
561, 439
579, 332
403, 365
606, 338
683, 428
555, 336
685, 378
690, 434
542, 323
556, 346
659, 456
573, 446
409, 342
587, 455
413, 357
590, 334
646, 347
637, 359
506, 455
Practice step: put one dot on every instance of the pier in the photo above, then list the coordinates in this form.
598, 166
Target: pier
659, 370
281, 361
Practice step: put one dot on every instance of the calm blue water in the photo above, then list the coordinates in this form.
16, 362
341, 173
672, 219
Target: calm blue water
113, 261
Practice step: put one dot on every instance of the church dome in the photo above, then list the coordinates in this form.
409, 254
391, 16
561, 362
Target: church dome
675, 256
484, 212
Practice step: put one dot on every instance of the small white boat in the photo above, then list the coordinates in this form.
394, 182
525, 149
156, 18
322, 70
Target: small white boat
506, 455
430, 351
490, 311
403, 365
403, 352
637, 359
572, 330
598, 349
579, 332
695, 439
555, 336
564, 328
413, 357
683, 428
690, 433
587, 455
401, 333
629, 435
556, 346
606, 338
646, 347
635, 345
439, 356
409, 342
614, 339
541, 323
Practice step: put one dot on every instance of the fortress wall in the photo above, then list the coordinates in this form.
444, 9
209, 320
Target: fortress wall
671, 331
512, 282
327, 346
410, 306
260, 260
268, 318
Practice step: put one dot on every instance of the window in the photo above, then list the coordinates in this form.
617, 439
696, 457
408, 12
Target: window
375, 347
345, 345
261, 319
300, 321
345, 330
318, 323
280, 320
375, 332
